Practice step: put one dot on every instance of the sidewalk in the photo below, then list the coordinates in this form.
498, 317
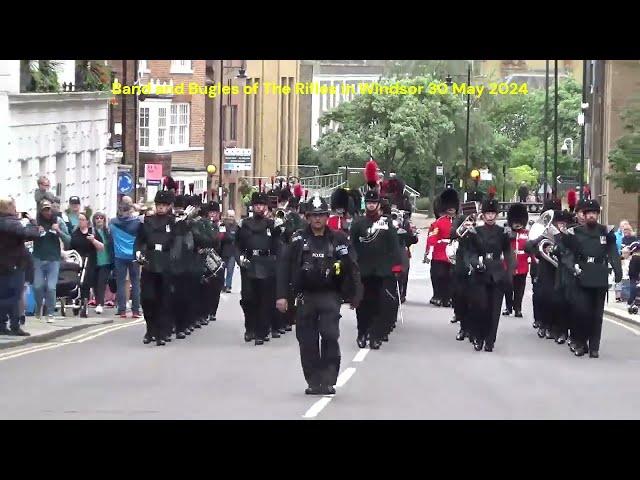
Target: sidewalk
619, 310
41, 331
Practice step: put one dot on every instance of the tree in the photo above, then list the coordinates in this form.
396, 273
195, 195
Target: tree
403, 131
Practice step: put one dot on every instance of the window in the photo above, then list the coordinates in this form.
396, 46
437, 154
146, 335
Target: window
144, 127
162, 126
181, 66
143, 67
179, 124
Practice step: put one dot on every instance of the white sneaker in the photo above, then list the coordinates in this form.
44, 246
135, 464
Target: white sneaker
50, 319
99, 309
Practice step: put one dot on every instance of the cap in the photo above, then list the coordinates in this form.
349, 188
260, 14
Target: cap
74, 200
164, 196
317, 206
180, 201
591, 206
259, 198
213, 206
371, 196
45, 204
490, 205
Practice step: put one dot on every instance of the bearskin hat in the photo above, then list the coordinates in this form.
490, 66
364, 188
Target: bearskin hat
517, 213
213, 206
449, 199
392, 189
180, 201
340, 199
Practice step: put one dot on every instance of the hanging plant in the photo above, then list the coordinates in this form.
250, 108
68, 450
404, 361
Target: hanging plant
93, 75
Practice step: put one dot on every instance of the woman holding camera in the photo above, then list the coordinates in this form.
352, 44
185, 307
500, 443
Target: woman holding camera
85, 243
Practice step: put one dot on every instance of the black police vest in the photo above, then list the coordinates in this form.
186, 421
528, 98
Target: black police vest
316, 272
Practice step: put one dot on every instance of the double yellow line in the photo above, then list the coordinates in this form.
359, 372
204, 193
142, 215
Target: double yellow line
19, 352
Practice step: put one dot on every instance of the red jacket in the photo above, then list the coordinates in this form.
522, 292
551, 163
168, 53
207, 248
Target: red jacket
571, 198
335, 222
517, 247
439, 238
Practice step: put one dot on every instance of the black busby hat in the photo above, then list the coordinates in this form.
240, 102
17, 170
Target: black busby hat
517, 213
371, 196
562, 216
552, 204
164, 196
317, 205
490, 205
449, 199
340, 199
284, 194
213, 206
259, 198
591, 206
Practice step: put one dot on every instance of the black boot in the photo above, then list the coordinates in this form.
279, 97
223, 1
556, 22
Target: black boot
561, 338
488, 347
542, 332
375, 344
446, 303
362, 340
437, 302
478, 344
180, 335
83, 309
328, 390
461, 335
594, 354
580, 350
288, 328
313, 390
160, 342
259, 341
18, 332
549, 334
536, 324
506, 312
147, 339
454, 319
385, 338
248, 336
518, 314
4, 330
275, 333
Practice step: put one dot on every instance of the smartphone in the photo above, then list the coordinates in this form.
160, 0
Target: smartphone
24, 215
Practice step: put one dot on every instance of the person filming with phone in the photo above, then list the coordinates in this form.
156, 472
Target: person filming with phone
85, 243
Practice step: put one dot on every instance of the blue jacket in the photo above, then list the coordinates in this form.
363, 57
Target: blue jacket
124, 231
619, 236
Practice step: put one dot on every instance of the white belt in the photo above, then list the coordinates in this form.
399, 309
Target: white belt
446, 240
520, 252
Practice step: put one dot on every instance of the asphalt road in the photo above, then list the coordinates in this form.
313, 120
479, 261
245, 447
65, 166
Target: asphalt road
422, 373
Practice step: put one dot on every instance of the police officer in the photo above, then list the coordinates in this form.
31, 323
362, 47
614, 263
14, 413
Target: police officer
320, 266
258, 245
152, 246
593, 247
377, 248
489, 247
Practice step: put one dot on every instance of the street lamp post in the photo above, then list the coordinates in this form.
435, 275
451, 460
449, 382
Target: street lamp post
546, 127
555, 131
581, 121
449, 82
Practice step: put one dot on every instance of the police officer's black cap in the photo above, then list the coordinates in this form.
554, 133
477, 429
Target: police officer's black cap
181, 201
591, 206
317, 205
259, 198
490, 205
213, 206
164, 196
371, 196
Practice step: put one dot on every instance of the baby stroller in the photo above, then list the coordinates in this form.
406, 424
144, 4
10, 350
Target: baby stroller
71, 276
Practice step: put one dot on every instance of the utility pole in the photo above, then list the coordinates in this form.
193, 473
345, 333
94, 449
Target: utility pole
555, 131
546, 128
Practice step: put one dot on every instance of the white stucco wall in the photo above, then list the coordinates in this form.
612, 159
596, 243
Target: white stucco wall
63, 136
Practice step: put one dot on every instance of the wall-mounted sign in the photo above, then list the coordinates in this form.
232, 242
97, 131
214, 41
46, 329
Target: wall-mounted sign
238, 159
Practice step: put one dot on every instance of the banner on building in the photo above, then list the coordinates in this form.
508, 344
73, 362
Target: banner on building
153, 174
238, 159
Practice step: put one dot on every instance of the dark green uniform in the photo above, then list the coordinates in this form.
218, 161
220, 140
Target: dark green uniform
375, 241
593, 248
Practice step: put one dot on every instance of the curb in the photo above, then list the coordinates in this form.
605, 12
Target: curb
45, 337
619, 316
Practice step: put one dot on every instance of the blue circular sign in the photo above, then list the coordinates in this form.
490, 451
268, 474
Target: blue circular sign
125, 183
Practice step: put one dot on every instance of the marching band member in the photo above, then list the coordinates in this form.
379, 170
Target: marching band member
517, 218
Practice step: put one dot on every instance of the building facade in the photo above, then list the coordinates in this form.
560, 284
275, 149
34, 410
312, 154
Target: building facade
331, 73
61, 135
612, 86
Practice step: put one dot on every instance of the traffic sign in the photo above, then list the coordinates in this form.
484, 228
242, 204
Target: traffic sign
125, 183
439, 170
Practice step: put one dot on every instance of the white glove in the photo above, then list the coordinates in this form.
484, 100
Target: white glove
244, 262
24, 222
139, 257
